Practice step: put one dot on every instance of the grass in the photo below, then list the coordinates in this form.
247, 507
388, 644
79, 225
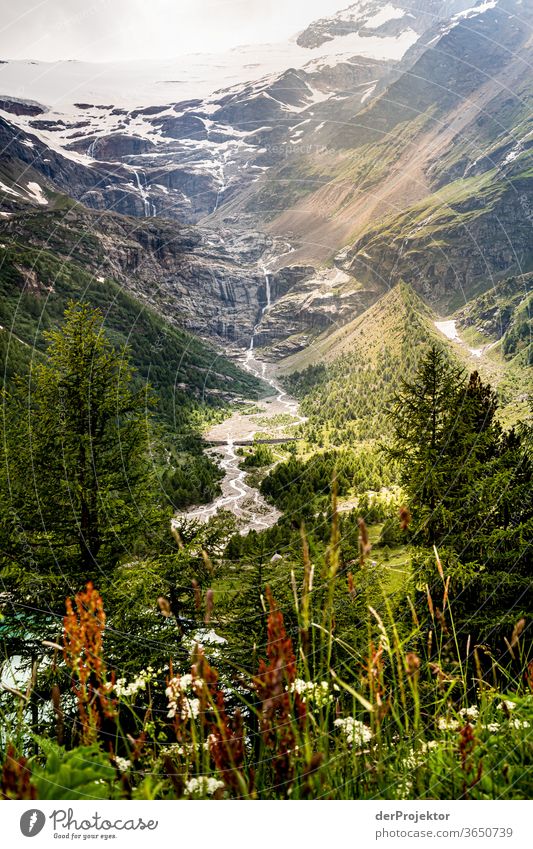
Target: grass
412, 715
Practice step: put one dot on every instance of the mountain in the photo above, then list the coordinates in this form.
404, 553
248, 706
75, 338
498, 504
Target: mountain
283, 197
170, 140
37, 282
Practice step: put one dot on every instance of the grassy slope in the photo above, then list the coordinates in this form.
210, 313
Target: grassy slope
360, 364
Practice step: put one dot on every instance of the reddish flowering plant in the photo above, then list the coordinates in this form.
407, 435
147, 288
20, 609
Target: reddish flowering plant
467, 745
16, 778
83, 629
529, 675
282, 712
225, 734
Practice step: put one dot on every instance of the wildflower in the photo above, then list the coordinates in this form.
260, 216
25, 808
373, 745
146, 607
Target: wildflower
179, 702
281, 716
209, 603
311, 692
517, 630
506, 705
404, 788
356, 732
83, 630
203, 786
518, 723
365, 545
405, 518
493, 727
139, 683
197, 594
122, 763
412, 663
467, 746
164, 606
439, 564
15, 778
447, 724
471, 712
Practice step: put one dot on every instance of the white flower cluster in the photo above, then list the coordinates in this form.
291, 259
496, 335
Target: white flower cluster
122, 763
444, 724
311, 692
180, 693
414, 759
357, 733
203, 786
470, 713
518, 723
506, 703
139, 683
189, 750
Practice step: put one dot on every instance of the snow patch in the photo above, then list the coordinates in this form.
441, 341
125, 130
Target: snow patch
448, 328
36, 193
368, 92
475, 10
388, 13
8, 191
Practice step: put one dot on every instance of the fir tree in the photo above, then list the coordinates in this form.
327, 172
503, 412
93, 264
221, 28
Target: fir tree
77, 473
423, 417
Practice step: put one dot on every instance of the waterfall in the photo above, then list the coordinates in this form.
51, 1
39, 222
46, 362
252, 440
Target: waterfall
149, 208
268, 303
91, 149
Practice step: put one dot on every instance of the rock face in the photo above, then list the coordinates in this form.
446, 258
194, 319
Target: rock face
19, 107
370, 17
212, 284
308, 303
504, 313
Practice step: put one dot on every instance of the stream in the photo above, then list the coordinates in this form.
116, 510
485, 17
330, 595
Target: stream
241, 499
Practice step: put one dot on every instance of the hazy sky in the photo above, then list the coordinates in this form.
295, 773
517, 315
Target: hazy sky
112, 30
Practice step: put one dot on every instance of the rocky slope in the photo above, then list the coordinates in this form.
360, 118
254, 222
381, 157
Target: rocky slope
370, 18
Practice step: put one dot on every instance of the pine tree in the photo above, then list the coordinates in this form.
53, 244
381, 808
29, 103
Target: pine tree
468, 485
77, 473
422, 418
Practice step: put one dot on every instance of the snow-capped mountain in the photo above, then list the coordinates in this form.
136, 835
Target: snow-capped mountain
408, 165
368, 20
182, 138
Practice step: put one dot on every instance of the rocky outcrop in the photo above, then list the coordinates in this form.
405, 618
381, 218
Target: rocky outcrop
307, 303
370, 18
16, 106
209, 283
446, 252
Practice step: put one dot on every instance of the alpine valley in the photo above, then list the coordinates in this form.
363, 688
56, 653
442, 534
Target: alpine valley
316, 257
